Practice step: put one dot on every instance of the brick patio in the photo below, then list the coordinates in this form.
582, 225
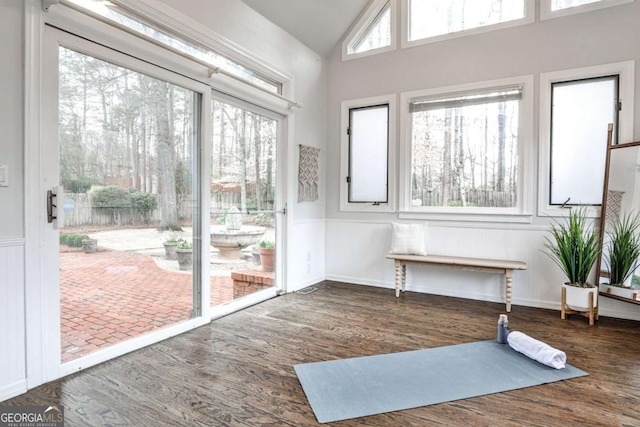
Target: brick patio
110, 296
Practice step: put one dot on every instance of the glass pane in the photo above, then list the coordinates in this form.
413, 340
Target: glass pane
369, 142
565, 4
111, 11
243, 200
580, 114
378, 34
127, 146
465, 157
430, 18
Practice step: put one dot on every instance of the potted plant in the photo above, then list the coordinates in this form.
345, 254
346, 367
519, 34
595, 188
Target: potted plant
170, 247
574, 247
267, 251
255, 254
621, 255
184, 253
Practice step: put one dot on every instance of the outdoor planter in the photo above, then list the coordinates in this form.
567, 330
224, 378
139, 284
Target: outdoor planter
170, 250
185, 258
89, 246
266, 258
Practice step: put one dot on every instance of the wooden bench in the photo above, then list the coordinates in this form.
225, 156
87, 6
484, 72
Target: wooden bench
473, 264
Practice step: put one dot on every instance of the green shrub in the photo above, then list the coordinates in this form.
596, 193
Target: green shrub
73, 240
77, 186
144, 201
111, 197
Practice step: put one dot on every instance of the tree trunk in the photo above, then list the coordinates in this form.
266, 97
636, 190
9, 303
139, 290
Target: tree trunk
165, 155
446, 160
501, 147
243, 161
258, 148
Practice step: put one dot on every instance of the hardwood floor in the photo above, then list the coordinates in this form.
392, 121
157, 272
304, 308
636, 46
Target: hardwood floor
238, 371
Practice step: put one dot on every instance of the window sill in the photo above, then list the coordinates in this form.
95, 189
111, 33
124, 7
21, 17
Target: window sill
367, 208
449, 215
558, 212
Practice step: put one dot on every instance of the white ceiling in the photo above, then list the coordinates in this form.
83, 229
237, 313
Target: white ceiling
319, 24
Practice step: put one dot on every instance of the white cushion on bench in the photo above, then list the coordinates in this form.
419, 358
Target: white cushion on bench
407, 239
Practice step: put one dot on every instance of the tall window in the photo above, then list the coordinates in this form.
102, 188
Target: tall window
434, 18
580, 113
368, 154
367, 163
464, 149
576, 107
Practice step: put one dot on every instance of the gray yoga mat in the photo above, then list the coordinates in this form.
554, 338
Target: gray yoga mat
350, 388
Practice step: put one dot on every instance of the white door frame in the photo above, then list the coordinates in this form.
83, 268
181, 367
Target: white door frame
43, 290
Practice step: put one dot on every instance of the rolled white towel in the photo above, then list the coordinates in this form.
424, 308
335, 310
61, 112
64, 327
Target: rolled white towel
537, 350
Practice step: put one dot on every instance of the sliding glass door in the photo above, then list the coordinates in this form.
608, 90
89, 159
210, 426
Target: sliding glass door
122, 185
244, 207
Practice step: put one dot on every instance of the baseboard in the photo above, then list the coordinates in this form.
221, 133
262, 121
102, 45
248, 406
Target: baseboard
304, 284
12, 390
447, 292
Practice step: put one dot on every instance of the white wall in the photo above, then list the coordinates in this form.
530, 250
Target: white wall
356, 243
12, 356
242, 25
11, 118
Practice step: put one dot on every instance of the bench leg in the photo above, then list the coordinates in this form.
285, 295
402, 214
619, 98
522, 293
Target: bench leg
404, 276
508, 273
398, 277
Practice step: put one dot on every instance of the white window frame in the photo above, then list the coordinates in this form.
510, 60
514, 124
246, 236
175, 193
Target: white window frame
390, 206
521, 213
626, 71
529, 18
363, 23
547, 13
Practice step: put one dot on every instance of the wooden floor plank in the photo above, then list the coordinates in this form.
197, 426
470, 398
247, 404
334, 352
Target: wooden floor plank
238, 371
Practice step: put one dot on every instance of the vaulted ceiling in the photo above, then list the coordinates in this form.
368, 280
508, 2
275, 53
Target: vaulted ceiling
319, 24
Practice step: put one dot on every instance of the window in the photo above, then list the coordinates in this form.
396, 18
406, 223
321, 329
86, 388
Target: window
466, 148
581, 111
430, 20
183, 44
576, 107
368, 155
557, 8
374, 32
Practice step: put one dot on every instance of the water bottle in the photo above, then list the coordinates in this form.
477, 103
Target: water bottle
503, 328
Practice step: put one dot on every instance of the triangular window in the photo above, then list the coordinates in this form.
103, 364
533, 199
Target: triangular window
374, 32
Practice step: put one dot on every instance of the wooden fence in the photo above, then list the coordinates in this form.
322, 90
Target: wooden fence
79, 210
491, 199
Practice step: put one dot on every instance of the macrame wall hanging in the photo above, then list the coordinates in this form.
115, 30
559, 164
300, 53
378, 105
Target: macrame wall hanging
614, 204
308, 174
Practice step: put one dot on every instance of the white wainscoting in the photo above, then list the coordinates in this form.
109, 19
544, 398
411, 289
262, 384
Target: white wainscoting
355, 253
12, 326
306, 254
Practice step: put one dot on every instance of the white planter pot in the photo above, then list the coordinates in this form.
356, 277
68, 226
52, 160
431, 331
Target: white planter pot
618, 291
578, 298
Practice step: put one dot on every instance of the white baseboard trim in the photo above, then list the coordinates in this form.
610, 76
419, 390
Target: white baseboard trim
305, 284
12, 390
447, 292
